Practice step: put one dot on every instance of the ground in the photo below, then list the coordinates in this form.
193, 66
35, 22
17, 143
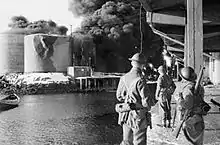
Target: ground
161, 136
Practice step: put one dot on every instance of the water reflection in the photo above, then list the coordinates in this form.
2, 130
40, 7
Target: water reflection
61, 119
4, 107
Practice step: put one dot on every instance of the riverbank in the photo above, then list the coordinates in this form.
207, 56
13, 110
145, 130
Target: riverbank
56, 83
59, 83
87, 119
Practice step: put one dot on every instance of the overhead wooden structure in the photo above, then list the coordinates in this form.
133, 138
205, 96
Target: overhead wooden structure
169, 17
193, 50
193, 24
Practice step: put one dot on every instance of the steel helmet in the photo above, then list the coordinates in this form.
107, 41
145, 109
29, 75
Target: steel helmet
188, 73
138, 57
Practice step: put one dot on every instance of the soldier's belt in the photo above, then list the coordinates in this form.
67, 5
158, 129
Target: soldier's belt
126, 107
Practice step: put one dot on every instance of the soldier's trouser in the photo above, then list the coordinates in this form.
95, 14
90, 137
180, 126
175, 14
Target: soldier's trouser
165, 110
133, 136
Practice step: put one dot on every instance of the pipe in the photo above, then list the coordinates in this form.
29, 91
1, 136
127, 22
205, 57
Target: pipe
166, 36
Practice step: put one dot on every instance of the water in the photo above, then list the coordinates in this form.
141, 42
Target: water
80, 119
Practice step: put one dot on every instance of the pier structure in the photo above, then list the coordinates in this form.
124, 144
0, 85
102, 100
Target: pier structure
98, 83
88, 80
107, 83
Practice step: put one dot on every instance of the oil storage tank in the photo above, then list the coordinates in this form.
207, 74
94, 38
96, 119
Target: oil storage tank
12, 51
47, 53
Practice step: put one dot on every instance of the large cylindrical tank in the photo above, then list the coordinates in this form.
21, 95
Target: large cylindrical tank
12, 51
47, 53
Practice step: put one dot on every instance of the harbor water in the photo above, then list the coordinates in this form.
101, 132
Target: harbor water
64, 119
84, 119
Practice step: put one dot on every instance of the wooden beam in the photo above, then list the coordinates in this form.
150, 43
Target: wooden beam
171, 18
161, 4
166, 36
170, 48
212, 50
181, 50
208, 35
193, 55
176, 35
160, 18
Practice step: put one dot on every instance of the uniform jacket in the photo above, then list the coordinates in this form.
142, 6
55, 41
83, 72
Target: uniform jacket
140, 94
185, 97
163, 82
194, 126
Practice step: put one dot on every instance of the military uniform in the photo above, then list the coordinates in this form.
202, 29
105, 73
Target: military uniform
132, 88
164, 98
164, 91
186, 99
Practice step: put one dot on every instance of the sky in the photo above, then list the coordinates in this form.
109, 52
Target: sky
56, 10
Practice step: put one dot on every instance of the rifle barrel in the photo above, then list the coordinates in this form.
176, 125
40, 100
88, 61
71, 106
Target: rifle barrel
215, 103
199, 79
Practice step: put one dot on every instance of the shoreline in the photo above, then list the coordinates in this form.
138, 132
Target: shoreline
55, 83
60, 83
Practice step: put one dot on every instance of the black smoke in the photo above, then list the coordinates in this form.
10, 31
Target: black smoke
115, 28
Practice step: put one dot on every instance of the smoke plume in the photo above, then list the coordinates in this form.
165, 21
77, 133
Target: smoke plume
115, 28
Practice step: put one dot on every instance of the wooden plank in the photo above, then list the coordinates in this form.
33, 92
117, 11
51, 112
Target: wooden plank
160, 18
166, 36
171, 18
194, 35
205, 36
209, 35
160, 4
170, 48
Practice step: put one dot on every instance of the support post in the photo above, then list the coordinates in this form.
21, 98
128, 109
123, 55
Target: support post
194, 35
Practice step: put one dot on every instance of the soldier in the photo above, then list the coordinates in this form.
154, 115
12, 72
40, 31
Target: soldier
188, 101
163, 95
133, 90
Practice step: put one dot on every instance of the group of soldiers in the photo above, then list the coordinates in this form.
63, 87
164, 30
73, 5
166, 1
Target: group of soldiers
136, 100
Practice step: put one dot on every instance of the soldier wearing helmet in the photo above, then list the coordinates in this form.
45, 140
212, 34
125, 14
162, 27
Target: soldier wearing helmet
163, 95
187, 100
133, 90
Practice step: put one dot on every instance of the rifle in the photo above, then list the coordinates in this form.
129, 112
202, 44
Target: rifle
168, 105
186, 114
174, 116
215, 103
198, 80
176, 131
